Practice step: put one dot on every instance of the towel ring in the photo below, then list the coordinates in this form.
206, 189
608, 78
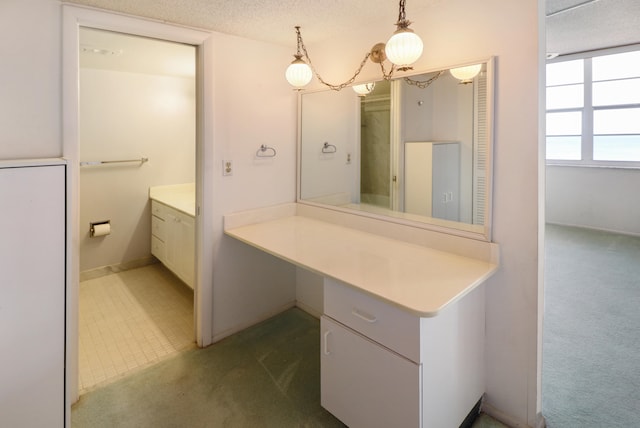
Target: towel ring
329, 148
266, 152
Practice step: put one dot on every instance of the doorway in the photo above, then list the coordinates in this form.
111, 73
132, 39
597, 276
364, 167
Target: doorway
137, 134
73, 19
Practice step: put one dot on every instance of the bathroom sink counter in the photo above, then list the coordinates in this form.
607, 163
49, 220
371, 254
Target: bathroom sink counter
417, 278
182, 197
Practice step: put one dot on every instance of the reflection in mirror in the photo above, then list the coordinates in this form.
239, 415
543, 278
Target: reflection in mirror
415, 149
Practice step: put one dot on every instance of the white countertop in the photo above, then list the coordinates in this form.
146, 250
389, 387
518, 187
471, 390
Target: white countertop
414, 277
179, 196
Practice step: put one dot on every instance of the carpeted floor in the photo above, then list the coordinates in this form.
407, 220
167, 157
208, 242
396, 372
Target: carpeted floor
591, 358
265, 376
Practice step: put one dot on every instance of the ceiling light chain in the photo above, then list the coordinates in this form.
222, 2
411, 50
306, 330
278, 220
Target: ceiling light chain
402, 23
423, 84
403, 48
388, 76
332, 86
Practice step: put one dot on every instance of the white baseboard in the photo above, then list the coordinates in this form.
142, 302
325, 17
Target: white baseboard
119, 267
221, 335
308, 309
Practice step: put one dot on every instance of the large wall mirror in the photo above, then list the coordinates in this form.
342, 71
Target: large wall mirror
415, 150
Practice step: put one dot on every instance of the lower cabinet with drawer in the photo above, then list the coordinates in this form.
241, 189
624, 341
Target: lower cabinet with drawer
365, 384
173, 240
383, 366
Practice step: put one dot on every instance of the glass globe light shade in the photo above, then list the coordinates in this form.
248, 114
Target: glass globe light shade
298, 73
364, 89
466, 74
404, 47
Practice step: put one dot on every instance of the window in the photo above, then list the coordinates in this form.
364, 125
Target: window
593, 110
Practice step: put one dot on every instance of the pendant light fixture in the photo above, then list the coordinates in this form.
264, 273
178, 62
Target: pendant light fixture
403, 49
364, 89
298, 73
467, 73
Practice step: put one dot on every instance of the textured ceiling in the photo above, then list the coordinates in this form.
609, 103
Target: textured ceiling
600, 24
596, 25
268, 20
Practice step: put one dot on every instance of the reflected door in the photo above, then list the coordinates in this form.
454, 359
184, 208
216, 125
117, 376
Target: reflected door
375, 148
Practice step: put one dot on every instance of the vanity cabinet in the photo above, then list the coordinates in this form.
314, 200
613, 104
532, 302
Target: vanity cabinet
402, 330
383, 366
173, 240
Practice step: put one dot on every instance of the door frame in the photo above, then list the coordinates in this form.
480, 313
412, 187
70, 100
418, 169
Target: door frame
74, 17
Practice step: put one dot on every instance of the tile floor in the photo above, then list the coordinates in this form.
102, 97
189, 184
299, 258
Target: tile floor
130, 320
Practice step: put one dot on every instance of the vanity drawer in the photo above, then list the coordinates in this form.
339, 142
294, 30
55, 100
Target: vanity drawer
158, 228
158, 248
158, 210
388, 325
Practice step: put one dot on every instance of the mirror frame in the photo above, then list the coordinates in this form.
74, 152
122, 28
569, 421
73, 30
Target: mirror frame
437, 225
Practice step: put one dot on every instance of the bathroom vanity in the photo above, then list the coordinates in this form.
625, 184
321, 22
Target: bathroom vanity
173, 228
396, 219
402, 330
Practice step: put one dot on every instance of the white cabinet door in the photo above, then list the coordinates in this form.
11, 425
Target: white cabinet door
172, 252
32, 296
432, 179
418, 186
446, 181
185, 233
180, 245
364, 384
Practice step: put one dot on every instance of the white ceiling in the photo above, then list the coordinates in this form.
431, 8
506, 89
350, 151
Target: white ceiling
597, 24
268, 20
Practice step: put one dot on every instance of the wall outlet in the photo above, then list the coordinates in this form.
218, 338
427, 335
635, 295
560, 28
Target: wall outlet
227, 167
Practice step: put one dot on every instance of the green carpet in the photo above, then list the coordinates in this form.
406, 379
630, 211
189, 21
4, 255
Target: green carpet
265, 376
591, 358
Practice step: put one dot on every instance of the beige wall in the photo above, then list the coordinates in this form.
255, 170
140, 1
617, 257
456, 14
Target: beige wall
127, 115
598, 198
253, 105
30, 76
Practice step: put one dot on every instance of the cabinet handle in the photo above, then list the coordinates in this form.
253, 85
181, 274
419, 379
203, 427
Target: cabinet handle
364, 316
326, 342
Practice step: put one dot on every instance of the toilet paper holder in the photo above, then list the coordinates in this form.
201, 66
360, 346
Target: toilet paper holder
99, 228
